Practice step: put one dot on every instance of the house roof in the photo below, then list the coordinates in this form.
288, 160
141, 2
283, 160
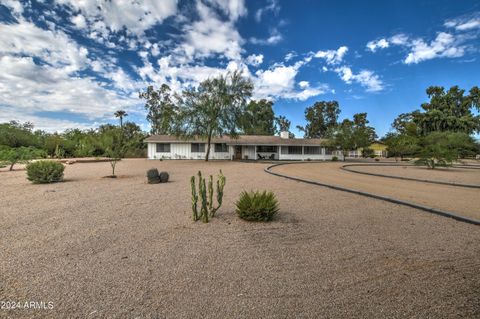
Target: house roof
241, 140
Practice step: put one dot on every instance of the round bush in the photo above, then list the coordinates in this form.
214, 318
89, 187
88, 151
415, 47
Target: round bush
257, 206
153, 176
334, 159
42, 172
164, 177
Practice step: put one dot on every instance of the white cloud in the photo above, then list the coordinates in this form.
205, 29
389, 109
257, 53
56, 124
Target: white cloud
79, 21
279, 82
134, 16
399, 39
377, 44
444, 45
29, 87
303, 84
332, 56
233, 8
274, 38
464, 23
365, 78
272, 6
210, 36
53, 47
14, 5
255, 59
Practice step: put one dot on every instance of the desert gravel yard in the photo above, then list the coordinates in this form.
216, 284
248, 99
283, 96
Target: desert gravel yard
121, 248
459, 200
470, 176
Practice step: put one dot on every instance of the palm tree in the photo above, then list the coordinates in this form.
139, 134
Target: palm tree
120, 114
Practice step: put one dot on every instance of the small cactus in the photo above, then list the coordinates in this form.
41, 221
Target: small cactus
153, 176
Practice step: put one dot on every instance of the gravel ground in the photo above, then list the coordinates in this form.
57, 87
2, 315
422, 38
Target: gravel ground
121, 248
460, 200
449, 175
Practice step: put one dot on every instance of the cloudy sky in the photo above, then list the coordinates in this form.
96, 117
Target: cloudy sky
72, 63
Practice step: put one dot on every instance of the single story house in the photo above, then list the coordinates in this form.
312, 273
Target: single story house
245, 147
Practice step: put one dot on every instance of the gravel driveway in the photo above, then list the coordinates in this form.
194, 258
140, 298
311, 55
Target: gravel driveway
121, 248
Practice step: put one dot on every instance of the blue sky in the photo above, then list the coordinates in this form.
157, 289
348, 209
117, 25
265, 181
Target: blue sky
71, 64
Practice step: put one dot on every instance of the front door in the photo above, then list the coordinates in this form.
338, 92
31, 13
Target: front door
238, 152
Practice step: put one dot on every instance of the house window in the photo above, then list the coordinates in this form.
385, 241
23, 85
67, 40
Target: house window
292, 150
163, 147
312, 150
221, 148
266, 149
198, 148
295, 150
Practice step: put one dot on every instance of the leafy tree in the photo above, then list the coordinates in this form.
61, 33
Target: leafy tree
21, 154
120, 114
447, 111
213, 108
162, 107
350, 135
114, 148
16, 134
400, 145
259, 118
442, 148
320, 117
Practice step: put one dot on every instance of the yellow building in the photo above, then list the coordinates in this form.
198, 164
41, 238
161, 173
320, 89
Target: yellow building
379, 150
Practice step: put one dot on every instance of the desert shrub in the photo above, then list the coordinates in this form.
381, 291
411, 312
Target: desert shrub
41, 172
164, 177
377, 159
334, 159
257, 206
152, 176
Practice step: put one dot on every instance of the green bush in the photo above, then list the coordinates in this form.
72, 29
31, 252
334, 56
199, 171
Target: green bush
257, 206
42, 172
334, 159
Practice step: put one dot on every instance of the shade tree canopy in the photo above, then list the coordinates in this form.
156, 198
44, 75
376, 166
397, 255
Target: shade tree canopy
320, 117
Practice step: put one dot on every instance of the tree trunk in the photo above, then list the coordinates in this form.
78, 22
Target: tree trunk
344, 155
11, 166
209, 139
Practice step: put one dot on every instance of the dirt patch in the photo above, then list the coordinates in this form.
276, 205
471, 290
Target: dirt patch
122, 248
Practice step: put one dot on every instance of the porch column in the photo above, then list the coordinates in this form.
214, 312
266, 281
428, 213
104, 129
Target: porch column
255, 152
303, 152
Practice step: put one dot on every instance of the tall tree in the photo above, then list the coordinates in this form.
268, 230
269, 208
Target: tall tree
259, 118
120, 114
213, 108
446, 111
320, 117
351, 135
162, 107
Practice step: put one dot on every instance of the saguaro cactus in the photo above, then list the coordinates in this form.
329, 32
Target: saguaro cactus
205, 192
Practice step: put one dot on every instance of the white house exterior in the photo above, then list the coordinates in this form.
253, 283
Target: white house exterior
245, 147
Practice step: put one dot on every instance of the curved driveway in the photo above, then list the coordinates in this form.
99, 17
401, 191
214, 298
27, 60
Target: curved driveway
459, 200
